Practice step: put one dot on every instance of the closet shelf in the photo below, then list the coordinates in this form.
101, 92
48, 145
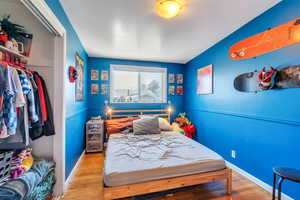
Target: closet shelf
12, 52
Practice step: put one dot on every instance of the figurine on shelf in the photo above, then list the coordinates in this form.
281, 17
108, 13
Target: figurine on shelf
3, 36
13, 36
15, 46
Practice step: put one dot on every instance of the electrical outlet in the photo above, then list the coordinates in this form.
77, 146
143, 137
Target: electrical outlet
233, 154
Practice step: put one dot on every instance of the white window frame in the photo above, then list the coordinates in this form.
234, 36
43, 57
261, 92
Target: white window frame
132, 68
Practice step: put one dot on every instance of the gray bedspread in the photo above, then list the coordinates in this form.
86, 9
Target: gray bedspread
138, 158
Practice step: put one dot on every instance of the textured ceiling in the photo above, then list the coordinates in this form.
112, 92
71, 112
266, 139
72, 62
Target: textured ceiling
130, 29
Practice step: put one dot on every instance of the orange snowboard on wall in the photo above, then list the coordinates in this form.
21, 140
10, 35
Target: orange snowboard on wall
270, 40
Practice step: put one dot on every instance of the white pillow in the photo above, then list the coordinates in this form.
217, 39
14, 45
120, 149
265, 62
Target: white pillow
164, 125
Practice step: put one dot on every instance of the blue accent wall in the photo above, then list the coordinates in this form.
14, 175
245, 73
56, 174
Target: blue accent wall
96, 102
264, 127
76, 111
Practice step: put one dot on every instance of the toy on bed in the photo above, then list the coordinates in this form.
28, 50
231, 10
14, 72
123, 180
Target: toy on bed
185, 124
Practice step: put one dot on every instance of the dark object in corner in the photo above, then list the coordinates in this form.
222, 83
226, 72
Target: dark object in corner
284, 173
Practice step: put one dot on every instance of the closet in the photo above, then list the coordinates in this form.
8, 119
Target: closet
47, 57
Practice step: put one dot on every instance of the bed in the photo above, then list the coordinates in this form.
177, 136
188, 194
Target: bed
142, 164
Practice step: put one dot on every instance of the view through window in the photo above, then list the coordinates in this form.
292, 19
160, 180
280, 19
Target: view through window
131, 84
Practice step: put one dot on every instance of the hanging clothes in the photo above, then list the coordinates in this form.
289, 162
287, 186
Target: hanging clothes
20, 99
25, 107
28, 92
9, 110
36, 129
48, 128
42, 96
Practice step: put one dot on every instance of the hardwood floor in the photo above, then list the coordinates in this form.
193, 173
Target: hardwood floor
87, 185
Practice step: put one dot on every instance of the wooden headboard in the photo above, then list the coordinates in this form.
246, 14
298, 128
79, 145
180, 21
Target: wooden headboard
113, 114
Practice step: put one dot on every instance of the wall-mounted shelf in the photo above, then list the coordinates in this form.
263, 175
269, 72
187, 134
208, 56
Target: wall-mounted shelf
12, 52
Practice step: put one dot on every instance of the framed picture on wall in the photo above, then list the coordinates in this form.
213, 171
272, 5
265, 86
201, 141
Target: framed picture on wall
79, 84
94, 88
179, 78
94, 75
179, 90
205, 80
171, 78
172, 90
104, 89
104, 75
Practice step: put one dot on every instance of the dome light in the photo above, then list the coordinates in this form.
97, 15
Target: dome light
169, 8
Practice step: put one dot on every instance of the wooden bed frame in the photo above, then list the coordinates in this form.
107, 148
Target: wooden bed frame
130, 190
164, 113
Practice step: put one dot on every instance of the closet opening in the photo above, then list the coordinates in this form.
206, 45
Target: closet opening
47, 59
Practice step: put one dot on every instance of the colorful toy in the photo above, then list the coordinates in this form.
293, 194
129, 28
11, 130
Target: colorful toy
186, 125
267, 41
280, 78
267, 78
73, 74
21, 163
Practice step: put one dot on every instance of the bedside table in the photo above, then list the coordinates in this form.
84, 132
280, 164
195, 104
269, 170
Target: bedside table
94, 136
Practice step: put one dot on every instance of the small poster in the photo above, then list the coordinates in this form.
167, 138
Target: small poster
205, 80
171, 90
94, 75
179, 90
104, 89
179, 78
104, 75
95, 88
171, 78
79, 84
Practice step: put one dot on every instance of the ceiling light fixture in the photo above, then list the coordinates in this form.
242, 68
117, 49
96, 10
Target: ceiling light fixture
169, 8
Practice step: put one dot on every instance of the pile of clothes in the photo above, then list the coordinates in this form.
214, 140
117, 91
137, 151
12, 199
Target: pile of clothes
31, 179
21, 163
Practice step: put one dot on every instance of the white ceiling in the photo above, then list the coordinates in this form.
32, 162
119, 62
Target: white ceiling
130, 29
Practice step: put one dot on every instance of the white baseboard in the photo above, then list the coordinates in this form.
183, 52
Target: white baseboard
255, 180
70, 177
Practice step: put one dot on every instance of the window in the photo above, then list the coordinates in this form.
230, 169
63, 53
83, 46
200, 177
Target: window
135, 84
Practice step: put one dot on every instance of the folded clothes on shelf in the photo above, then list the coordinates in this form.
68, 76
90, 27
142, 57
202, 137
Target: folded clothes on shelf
24, 186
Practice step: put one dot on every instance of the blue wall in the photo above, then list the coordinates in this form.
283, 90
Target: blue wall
76, 111
96, 102
264, 128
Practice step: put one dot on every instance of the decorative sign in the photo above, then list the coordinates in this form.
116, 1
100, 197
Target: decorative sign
94, 88
94, 75
104, 89
172, 90
104, 75
205, 80
179, 78
171, 78
179, 90
79, 84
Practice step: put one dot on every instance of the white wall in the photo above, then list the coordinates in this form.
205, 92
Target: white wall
41, 58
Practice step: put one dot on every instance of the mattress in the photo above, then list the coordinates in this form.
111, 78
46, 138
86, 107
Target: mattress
139, 158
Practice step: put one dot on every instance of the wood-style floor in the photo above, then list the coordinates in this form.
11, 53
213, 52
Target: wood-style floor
87, 185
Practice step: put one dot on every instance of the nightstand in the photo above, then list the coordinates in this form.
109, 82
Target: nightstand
94, 136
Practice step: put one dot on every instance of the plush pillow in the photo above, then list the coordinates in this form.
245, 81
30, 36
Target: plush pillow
146, 126
118, 125
164, 125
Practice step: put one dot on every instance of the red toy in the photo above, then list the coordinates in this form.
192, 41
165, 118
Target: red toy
266, 78
73, 74
186, 125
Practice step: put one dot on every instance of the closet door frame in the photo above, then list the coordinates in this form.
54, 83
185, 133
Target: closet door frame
44, 14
